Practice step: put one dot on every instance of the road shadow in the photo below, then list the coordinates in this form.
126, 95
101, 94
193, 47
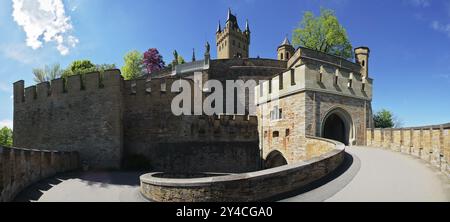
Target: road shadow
349, 162
99, 178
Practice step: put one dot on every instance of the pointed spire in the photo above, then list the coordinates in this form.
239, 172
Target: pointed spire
193, 55
229, 14
247, 27
286, 41
219, 28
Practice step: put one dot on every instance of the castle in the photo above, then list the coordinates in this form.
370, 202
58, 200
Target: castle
114, 123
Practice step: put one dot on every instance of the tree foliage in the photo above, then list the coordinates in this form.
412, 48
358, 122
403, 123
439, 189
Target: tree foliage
80, 67
153, 61
6, 137
48, 73
323, 33
133, 65
386, 119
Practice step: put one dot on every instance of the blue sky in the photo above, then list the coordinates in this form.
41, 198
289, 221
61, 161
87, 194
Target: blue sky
409, 40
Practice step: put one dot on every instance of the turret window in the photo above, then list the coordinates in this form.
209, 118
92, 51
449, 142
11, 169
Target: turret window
363, 63
281, 56
287, 55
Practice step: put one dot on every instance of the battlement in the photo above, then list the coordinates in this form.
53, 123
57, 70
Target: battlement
321, 77
237, 33
72, 85
305, 55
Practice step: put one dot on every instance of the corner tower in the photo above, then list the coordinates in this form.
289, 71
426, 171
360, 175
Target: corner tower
232, 42
285, 50
362, 57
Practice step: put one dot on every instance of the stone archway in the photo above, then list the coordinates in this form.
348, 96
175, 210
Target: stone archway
275, 159
338, 125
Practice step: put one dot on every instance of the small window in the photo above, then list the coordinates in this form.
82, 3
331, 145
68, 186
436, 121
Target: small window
336, 80
363, 87
292, 77
364, 63
270, 86
287, 55
275, 134
281, 56
350, 83
280, 81
288, 132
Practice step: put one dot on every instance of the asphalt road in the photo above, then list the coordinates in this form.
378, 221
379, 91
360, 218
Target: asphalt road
370, 174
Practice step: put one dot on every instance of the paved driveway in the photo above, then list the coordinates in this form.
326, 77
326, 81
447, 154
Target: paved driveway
369, 174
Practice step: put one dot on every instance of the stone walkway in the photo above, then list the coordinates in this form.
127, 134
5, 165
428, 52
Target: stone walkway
370, 175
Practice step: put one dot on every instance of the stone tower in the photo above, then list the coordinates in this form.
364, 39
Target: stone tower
232, 42
362, 57
285, 50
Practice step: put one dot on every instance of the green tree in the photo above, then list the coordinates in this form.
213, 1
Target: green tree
48, 73
323, 33
181, 60
6, 136
133, 65
80, 67
386, 119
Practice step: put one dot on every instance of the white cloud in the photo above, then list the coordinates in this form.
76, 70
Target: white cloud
45, 21
6, 122
419, 3
445, 28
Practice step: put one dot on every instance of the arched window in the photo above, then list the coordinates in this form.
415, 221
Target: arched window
281, 56
287, 55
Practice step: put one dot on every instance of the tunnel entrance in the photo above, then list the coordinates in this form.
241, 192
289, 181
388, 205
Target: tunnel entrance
338, 126
275, 159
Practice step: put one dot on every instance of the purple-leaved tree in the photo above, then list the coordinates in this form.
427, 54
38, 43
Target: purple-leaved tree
153, 61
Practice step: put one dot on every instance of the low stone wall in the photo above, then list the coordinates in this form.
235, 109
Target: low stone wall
430, 143
253, 186
20, 168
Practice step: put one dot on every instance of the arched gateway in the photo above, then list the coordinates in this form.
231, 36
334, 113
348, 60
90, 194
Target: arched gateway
338, 125
275, 159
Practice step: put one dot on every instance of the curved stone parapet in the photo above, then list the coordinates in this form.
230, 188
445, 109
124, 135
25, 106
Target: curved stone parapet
430, 143
20, 168
252, 186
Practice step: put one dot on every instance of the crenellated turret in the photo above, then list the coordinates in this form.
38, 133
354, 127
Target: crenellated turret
232, 42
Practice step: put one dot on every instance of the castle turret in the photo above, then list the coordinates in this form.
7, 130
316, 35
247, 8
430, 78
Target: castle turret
362, 57
232, 42
285, 50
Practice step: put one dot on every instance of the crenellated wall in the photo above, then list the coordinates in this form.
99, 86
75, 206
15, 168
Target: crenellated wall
111, 122
20, 168
430, 143
81, 114
185, 143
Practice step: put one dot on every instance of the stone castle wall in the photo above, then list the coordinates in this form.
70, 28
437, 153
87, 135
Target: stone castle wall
430, 143
111, 121
185, 143
20, 168
82, 114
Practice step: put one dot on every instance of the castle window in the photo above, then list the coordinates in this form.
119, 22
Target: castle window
275, 134
287, 55
363, 87
281, 56
350, 83
336, 80
280, 81
292, 77
270, 86
363, 63
288, 132
276, 113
